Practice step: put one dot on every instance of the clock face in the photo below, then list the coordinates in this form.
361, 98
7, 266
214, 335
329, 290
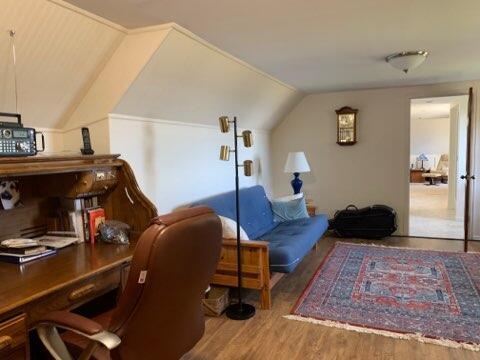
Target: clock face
346, 121
346, 128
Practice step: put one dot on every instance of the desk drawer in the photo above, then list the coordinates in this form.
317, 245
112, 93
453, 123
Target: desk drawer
13, 338
75, 295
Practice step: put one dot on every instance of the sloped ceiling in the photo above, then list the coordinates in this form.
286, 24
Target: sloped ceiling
117, 76
324, 45
188, 80
59, 53
75, 68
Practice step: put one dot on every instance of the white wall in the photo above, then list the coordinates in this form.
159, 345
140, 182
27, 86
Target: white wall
453, 157
429, 136
375, 170
461, 164
176, 163
116, 76
59, 52
190, 80
53, 140
99, 137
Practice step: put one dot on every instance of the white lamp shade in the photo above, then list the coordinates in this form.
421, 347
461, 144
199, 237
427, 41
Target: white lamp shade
296, 162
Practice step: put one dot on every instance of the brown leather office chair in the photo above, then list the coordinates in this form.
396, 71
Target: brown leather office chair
159, 314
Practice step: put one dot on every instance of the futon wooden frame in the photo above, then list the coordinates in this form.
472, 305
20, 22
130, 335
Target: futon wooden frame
255, 268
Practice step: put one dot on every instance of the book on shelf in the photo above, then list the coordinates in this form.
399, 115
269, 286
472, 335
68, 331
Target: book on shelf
81, 216
96, 216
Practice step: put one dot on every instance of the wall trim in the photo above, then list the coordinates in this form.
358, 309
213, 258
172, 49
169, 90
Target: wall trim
152, 28
49, 130
90, 15
64, 131
170, 122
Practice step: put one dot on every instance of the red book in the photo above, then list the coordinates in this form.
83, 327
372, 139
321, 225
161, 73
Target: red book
95, 218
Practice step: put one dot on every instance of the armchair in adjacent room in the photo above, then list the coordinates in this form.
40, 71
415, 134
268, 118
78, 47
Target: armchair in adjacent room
440, 173
159, 314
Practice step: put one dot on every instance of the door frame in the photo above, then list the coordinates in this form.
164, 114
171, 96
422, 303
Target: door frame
471, 159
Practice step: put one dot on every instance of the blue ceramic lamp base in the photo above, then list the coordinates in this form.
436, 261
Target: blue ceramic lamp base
296, 183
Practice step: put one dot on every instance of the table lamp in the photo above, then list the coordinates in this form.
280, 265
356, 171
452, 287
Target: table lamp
296, 163
422, 158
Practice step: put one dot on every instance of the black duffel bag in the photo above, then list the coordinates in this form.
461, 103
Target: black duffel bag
373, 222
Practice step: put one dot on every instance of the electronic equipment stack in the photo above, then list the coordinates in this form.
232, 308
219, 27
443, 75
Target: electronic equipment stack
17, 140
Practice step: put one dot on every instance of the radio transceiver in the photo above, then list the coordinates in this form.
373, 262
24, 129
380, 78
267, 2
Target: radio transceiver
16, 140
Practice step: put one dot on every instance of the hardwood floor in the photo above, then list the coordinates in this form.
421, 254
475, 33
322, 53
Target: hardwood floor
269, 336
430, 215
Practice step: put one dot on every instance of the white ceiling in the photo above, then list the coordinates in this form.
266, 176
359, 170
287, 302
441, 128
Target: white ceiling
323, 45
434, 108
430, 111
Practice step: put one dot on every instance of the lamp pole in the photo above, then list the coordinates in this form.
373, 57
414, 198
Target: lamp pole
240, 310
237, 205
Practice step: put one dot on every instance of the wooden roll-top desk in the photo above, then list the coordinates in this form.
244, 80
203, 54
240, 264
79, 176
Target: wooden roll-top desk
78, 273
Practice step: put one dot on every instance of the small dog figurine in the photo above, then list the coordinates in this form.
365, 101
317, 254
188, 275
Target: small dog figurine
9, 194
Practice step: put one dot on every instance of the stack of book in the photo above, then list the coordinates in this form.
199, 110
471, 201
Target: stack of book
83, 217
21, 251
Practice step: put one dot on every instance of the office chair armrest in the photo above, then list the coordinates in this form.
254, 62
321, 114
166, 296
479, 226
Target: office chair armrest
71, 321
48, 333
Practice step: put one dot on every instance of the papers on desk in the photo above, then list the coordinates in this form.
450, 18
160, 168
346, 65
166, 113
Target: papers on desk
20, 251
56, 242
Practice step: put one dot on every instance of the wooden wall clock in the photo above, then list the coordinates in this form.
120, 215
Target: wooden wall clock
346, 126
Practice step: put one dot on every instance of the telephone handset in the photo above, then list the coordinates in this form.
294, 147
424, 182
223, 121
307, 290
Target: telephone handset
87, 145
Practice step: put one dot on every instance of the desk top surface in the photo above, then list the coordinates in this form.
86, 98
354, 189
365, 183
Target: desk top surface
21, 284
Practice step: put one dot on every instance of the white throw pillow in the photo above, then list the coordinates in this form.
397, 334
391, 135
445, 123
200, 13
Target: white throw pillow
288, 198
229, 229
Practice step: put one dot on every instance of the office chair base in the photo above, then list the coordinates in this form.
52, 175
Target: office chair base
240, 311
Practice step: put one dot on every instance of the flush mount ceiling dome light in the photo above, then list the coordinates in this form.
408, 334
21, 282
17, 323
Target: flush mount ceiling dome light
407, 60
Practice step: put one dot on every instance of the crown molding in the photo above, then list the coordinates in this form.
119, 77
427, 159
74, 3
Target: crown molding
49, 130
78, 127
88, 14
153, 28
114, 116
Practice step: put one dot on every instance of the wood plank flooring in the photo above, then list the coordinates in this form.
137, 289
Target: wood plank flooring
269, 336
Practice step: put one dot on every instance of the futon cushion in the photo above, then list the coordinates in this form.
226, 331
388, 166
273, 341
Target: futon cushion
256, 216
291, 240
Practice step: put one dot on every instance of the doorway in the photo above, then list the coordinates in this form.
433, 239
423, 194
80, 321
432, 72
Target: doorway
438, 157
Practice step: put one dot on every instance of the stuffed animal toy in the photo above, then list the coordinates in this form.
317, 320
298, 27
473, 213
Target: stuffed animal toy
9, 194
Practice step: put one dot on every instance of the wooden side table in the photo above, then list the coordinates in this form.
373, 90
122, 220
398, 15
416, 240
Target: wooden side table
311, 209
416, 176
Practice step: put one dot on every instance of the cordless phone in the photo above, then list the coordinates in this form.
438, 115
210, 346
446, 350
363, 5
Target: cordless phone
87, 145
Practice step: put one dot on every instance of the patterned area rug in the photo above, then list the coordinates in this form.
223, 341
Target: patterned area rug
431, 296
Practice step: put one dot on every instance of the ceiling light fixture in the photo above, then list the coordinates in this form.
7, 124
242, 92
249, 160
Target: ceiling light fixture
407, 60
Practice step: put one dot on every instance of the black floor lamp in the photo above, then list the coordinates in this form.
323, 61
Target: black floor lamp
240, 310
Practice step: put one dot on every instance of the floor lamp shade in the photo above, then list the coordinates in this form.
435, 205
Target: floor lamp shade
296, 163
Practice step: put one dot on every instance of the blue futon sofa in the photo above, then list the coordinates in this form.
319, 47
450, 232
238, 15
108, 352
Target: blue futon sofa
288, 242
